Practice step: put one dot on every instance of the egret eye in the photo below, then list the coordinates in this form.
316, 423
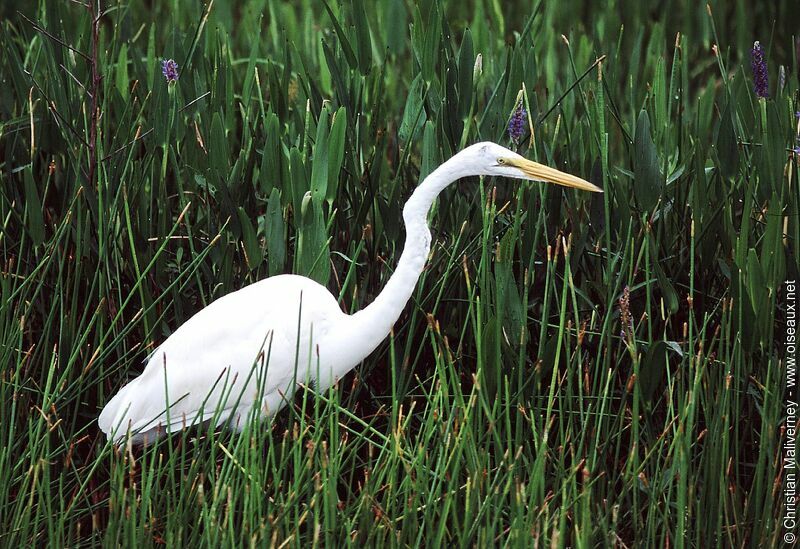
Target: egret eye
501, 161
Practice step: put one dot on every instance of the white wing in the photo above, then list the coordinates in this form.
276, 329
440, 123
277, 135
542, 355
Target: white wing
261, 340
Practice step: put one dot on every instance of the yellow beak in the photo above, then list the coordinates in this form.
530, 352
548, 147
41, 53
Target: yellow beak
540, 172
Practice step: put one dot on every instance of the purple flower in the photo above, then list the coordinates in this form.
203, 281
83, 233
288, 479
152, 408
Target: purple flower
796, 151
760, 77
169, 69
517, 123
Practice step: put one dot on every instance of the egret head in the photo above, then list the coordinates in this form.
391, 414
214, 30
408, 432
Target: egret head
491, 159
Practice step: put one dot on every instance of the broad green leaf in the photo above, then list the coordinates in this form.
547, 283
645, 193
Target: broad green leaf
759, 293
276, 234
773, 255
363, 42
430, 46
33, 208
491, 350
649, 181
218, 147
773, 151
234, 178
744, 308
430, 151
250, 73
414, 113
344, 41
313, 254
397, 32
660, 99
668, 292
121, 73
252, 250
756, 285
337, 73
270, 173
652, 371
319, 164
152, 62
508, 300
298, 182
466, 63
726, 146
336, 145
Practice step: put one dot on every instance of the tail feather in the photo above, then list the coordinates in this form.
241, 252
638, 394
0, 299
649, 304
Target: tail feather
139, 408
124, 414
113, 415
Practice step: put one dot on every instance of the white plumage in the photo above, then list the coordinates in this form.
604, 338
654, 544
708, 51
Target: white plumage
209, 359
253, 347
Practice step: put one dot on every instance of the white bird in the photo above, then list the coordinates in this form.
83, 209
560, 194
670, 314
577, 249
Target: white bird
254, 347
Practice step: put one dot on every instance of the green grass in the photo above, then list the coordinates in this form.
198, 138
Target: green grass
574, 370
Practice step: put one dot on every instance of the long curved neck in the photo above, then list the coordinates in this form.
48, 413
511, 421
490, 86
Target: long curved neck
374, 322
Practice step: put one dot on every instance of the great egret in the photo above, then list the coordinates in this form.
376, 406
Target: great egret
253, 347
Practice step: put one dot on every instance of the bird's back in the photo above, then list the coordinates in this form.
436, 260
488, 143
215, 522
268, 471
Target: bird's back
205, 369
